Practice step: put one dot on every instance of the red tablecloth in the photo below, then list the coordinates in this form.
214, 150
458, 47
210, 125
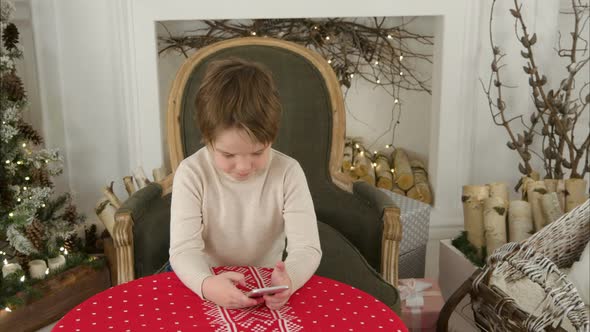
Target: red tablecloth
162, 303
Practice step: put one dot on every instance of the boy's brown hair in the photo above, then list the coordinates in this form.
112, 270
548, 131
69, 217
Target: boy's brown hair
236, 93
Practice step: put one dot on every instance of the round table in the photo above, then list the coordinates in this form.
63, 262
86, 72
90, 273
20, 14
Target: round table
162, 303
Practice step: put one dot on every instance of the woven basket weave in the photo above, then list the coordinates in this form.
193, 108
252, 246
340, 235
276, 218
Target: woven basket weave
538, 258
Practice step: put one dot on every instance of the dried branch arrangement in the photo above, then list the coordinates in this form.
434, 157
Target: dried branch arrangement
558, 109
368, 48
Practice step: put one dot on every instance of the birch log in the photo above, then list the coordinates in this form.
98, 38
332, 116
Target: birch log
383, 172
520, 220
499, 189
106, 213
472, 198
397, 190
403, 172
108, 192
494, 219
525, 183
140, 177
129, 186
421, 185
551, 185
361, 163
159, 174
561, 193
551, 208
575, 193
347, 158
535, 190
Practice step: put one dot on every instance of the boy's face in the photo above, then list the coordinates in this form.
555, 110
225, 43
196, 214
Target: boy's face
237, 155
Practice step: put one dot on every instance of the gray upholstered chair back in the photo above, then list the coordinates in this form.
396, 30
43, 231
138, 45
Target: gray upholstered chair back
306, 132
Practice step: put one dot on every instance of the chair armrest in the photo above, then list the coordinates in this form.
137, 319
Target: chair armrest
392, 227
133, 209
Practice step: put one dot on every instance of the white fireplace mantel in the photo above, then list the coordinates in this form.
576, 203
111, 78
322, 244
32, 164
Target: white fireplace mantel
454, 75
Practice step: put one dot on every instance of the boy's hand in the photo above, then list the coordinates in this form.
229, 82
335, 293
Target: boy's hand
279, 277
221, 289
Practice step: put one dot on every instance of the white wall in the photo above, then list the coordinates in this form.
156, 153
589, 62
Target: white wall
98, 72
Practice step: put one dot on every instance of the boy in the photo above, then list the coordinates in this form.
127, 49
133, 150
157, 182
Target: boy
236, 200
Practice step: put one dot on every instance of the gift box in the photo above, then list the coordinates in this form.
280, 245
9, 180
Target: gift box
415, 219
422, 302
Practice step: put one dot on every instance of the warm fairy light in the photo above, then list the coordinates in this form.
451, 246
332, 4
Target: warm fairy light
329, 60
66, 252
61, 249
20, 162
327, 37
315, 27
376, 63
401, 73
27, 178
401, 57
352, 168
362, 152
356, 146
22, 279
25, 188
396, 101
47, 161
8, 309
43, 205
8, 161
5, 261
11, 214
378, 81
375, 152
389, 37
374, 164
47, 271
388, 146
392, 170
253, 33
18, 199
24, 145
351, 75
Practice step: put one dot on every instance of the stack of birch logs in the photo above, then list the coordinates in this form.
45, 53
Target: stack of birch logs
107, 205
491, 219
389, 168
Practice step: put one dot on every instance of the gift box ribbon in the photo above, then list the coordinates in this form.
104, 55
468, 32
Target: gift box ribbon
413, 291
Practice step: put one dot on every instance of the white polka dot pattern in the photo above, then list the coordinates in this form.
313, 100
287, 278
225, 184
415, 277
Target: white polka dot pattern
162, 303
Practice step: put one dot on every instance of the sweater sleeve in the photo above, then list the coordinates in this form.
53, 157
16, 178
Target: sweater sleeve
186, 241
303, 244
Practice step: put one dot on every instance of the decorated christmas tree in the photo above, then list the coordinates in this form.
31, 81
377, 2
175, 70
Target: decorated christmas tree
35, 222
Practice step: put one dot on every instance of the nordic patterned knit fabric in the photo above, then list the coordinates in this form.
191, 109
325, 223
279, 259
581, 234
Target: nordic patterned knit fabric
218, 221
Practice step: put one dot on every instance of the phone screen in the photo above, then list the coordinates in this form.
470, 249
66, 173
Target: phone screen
257, 292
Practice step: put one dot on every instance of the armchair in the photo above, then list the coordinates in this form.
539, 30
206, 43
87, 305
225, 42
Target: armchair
359, 226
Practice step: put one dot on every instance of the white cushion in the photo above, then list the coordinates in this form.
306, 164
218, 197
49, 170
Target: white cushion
579, 275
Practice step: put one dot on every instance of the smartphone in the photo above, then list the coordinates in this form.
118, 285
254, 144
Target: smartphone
258, 292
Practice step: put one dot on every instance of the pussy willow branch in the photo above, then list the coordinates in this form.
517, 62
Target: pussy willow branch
558, 110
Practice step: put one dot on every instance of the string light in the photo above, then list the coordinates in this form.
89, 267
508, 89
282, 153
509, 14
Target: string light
357, 145
374, 164
24, 145
253, 33
327, 37
11, 214
27, 178
387, 146
401, 73
20, 162
396, 101
18, 199
66, 252
22, 279
315, 27
352, 168
329, 60
392, 170
61, 249
351, 75
375, 152
24, 188
401, 57
362, 153
7, 309
389, 37
378, 81
8, 161
376, 63
5, 261
43, 205
47, 271
47, 161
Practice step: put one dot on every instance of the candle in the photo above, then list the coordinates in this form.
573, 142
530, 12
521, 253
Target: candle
56, 263
10, 268
37, 268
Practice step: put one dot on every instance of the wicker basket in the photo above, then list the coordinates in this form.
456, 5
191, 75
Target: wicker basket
538, 258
